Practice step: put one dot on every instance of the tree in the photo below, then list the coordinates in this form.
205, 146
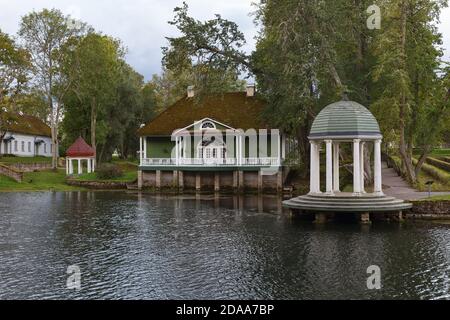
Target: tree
94, 65
44, 34
209, 52
411, 94
14, 66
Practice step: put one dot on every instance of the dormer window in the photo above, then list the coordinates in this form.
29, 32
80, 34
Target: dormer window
208, 125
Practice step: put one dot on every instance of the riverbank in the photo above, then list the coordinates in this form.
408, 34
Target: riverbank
48, 180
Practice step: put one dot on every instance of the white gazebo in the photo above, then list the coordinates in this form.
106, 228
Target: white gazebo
80, 151
339, 123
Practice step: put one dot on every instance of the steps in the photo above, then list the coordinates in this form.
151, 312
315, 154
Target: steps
346, 202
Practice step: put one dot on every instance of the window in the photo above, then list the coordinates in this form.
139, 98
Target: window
224, 153
15, 146
208, 125
208, 154
29, 146
45, 148
22, 147
215, 153
51, 147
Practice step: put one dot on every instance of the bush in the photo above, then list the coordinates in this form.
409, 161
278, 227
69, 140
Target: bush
109, 171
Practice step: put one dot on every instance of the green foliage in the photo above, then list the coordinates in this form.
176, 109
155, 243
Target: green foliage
44, 35
14, 68
109, 171
209, 53
107, 100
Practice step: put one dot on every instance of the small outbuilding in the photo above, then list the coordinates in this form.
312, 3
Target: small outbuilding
80, 151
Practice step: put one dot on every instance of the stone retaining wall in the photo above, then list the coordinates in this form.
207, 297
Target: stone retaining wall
99, 185
429, 210
11, 172
30, 167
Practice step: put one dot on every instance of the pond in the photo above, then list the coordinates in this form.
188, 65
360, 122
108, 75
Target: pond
143, 246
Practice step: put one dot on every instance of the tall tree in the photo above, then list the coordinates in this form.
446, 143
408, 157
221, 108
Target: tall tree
94, 64
44, 34
209, 52
14, 66
407, 74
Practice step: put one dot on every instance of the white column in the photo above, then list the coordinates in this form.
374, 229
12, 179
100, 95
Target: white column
89, 165
377, 188
237, 149
336, 187
80, 170
70, 166
93, 164
141, 154
241, 150
361, 165
177, 151
144, 142
312, 165
279, 148
329, 166
315, 168
356, 168
67, 166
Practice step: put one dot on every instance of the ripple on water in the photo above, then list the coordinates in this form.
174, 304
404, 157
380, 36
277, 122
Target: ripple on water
146, 247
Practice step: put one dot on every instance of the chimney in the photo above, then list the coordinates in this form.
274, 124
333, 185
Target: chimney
251, 90
190, 92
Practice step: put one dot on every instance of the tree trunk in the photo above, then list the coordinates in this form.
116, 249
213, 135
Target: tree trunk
404, 154
422, 159
93, 123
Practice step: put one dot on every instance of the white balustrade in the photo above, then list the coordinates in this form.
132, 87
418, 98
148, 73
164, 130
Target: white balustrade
265, 161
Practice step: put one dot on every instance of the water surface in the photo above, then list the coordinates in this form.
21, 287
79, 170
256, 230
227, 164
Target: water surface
141, 246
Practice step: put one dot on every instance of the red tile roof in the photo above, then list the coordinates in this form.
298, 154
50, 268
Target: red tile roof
80, 149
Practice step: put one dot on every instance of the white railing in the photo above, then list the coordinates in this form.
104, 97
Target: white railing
264, 161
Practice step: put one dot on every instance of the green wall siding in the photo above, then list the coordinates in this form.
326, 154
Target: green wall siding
159, 147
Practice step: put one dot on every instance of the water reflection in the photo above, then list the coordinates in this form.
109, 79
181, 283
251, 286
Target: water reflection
137, 245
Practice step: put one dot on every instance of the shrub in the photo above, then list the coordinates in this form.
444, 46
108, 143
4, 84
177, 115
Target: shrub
109, 171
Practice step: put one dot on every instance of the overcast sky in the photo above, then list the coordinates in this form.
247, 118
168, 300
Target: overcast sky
142, 24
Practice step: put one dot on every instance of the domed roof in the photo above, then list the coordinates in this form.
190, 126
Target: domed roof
345, 119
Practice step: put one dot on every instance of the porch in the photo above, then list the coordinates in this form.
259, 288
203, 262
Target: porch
215, 162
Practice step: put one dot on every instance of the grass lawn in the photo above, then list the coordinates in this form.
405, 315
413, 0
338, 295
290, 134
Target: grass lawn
7, 160
129, 173
435, 152
127, 176
38, 181
437, 185
438, 198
